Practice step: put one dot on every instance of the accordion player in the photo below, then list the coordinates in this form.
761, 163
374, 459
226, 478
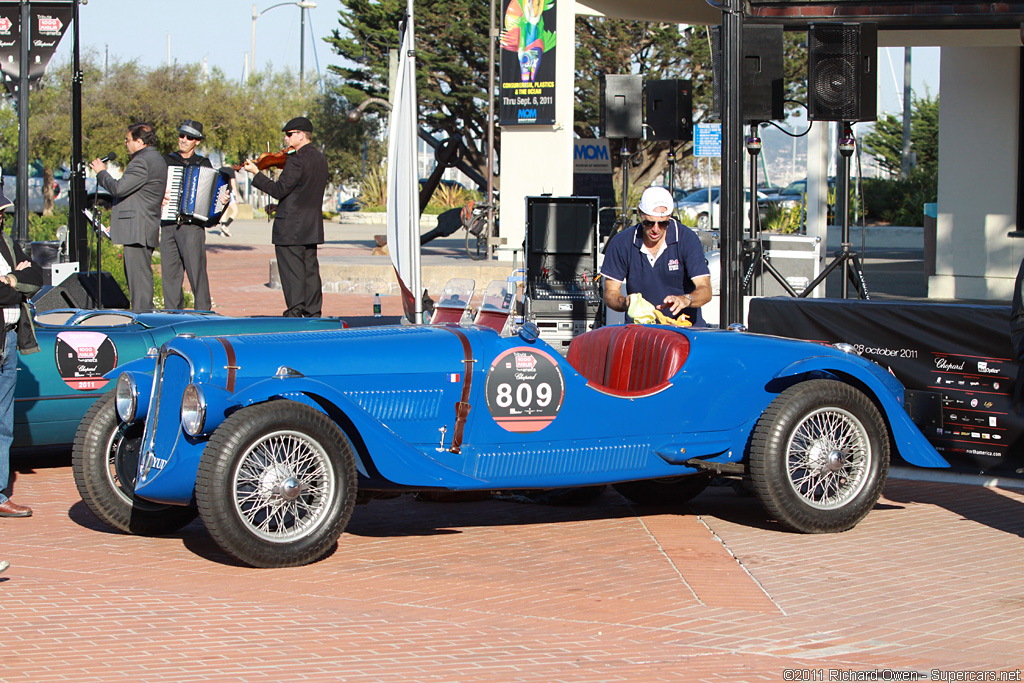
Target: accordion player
195, 195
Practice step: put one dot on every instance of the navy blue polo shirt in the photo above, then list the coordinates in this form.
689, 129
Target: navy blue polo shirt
672, 273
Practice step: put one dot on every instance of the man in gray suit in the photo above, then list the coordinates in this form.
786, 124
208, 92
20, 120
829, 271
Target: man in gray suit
135, 219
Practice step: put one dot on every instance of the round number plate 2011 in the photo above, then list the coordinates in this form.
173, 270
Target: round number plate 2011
524, 390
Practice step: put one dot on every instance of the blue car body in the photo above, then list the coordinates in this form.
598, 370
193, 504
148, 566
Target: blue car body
81, 349
398, 407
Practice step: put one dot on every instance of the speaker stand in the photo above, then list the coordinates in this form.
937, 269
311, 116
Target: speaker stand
845, 257
753, 250
624, 155
672, 170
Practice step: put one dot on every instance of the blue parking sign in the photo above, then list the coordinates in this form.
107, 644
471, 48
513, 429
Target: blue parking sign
707, 140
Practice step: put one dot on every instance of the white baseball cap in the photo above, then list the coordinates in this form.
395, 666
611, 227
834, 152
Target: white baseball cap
656, 201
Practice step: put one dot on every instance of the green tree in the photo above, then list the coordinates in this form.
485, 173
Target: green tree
885, 142
451, 60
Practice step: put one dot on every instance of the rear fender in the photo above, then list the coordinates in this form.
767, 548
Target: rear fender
380, 453
886, 391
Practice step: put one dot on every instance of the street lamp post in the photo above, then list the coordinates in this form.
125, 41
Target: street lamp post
303, 5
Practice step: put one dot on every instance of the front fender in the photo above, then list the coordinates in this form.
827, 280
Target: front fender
381, 453
908, 440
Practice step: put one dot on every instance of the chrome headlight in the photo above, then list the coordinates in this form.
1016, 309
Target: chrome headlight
126, 397
193, 410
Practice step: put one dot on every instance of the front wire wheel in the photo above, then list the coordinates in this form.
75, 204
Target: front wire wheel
277, 484
819, 457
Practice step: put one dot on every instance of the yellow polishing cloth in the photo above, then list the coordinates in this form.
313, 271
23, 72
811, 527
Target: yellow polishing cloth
643, 311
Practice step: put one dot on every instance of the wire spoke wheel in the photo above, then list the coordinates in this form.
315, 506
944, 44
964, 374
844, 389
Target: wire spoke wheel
283, 485
819, 456
277, 484
829, 455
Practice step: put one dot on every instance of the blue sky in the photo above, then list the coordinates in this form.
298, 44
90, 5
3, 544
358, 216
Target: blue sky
220, 32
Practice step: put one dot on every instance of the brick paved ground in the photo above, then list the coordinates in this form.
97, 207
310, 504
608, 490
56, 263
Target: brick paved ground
503, 592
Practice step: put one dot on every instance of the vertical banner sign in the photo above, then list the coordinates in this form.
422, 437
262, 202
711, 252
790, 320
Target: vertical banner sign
527, 63
10, 33
49, 21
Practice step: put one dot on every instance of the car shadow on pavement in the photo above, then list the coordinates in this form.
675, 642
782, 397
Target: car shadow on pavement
975, 503
405, 516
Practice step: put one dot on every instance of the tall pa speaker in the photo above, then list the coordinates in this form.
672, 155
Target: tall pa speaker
622, 105
841, 72
670, 110
81, 290
763, 82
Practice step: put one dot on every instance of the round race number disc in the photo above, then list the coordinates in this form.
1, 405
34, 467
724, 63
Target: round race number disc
524, 390
84, 357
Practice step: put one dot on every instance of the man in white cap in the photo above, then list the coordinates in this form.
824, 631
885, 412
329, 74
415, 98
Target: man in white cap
660, 259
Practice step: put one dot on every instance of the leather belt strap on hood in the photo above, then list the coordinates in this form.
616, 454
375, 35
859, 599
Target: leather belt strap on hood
462, 407
230, 367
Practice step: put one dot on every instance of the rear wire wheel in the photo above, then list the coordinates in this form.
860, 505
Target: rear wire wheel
819, 456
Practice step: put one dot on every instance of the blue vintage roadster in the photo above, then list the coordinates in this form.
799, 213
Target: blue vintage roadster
274, 438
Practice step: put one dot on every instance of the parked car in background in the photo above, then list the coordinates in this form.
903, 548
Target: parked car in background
61, 189
794, 194
694, 208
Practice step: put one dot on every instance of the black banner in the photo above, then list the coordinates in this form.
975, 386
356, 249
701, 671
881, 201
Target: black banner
49, 20
527, 62
956, 361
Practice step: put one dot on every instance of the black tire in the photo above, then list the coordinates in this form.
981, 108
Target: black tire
277, 484
668, 491
819, 456
104, 460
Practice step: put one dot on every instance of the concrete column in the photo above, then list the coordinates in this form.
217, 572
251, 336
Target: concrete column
978, 144
538, 159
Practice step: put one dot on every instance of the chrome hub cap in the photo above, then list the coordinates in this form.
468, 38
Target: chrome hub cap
284, 485
829, 454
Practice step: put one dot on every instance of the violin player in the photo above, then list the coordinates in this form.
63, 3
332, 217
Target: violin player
299, 220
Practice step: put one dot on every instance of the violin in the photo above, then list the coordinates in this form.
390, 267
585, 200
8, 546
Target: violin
269, 159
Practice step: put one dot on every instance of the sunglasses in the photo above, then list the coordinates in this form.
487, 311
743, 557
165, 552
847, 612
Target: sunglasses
289, 133
187, 137
650, 224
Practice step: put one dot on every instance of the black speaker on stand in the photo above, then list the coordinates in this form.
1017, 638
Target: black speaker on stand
763, 83
669, 105
621, 117
842, 80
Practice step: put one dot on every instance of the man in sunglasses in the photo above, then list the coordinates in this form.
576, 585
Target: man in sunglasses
183, 244
660, 259
299, 219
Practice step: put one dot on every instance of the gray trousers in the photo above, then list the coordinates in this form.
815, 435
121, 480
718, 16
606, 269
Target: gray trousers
300, 280
183, 251
138, 271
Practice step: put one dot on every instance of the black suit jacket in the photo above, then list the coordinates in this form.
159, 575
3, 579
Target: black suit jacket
299, 218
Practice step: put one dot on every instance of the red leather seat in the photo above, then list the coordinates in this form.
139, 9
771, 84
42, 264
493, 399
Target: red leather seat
629, 360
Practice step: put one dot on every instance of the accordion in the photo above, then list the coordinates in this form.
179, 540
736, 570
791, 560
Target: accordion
194, 193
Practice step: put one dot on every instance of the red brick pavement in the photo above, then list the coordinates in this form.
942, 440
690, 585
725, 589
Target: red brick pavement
240, 276
500, 591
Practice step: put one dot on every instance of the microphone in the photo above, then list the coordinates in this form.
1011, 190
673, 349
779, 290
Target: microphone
110, 157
